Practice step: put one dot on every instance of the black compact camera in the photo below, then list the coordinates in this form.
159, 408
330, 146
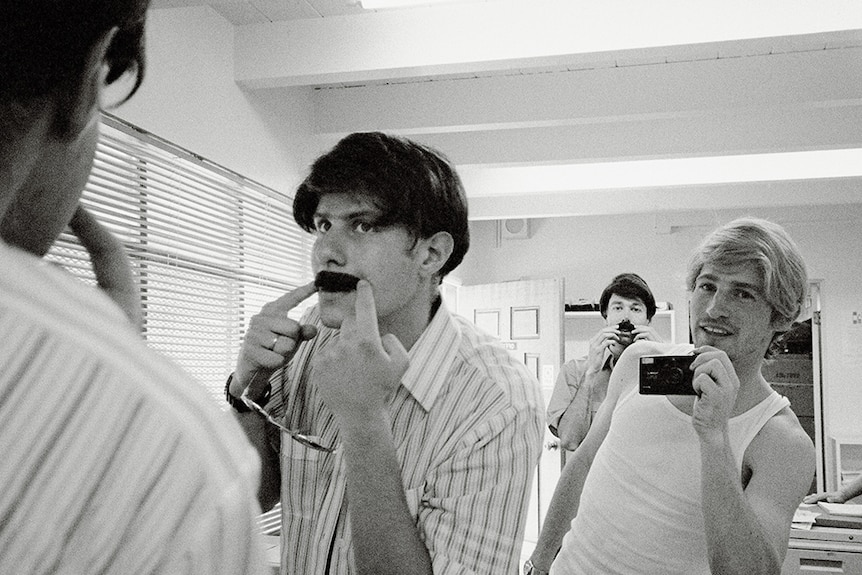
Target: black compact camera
626, 328
666, 375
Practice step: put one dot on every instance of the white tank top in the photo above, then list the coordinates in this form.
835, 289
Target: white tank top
640, 510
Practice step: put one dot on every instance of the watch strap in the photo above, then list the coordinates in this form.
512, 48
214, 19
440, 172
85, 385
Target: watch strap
530, 569
238, 403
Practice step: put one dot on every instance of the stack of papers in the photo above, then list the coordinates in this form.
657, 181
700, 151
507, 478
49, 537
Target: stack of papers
847, 509
847, 516
805, 516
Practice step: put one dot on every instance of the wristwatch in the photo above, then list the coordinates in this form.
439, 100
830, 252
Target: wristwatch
529, 569
237, 403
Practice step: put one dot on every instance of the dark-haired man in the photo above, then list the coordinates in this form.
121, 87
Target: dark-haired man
411, 438
114, 460
583, 383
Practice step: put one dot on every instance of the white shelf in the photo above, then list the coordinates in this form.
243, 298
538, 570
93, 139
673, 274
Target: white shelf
577, 314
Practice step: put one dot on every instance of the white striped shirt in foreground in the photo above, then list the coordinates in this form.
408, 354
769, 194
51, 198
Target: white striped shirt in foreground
467, 423
114, 461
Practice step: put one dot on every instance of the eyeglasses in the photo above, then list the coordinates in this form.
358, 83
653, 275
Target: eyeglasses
296, 435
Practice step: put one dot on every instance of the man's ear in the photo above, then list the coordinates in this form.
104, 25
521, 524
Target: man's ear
77, 110
436, 251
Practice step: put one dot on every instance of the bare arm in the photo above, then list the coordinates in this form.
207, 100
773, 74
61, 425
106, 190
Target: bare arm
110, 264
845, 493
747, 526
747, 530
356, 375
567, 495
385, 536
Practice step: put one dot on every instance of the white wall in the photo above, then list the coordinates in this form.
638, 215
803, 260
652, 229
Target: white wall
589, 251
190, 98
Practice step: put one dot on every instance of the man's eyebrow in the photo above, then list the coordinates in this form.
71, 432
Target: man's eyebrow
748, 286
358, 213
736, 284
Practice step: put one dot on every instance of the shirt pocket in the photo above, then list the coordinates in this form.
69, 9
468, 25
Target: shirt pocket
306, 474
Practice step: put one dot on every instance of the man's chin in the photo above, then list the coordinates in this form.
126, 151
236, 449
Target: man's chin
331, 321
332, 313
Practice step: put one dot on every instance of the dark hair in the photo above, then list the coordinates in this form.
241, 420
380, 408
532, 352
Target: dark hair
630, 286
44, 44
414, 186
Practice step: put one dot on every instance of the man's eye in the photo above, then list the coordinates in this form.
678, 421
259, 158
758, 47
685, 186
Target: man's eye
322, 225
364, 227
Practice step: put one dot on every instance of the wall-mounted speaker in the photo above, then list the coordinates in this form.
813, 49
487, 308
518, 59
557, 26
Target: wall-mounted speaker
515, 229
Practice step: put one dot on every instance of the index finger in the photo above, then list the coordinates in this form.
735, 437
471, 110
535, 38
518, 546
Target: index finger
295, 297
366, 311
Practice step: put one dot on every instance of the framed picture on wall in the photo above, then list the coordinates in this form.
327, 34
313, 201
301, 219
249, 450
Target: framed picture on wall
525, 322
532, 362
488, 320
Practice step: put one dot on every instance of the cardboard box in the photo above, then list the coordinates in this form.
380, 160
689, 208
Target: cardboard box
789, 368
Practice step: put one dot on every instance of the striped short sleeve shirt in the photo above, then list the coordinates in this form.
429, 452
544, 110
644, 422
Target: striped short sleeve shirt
114, 460
467, 423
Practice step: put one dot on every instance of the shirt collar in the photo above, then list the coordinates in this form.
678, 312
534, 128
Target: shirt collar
608, 361
431, 358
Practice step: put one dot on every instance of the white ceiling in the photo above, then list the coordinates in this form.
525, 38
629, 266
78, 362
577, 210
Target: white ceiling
533, 98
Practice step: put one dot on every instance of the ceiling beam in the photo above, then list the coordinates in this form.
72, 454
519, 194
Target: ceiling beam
506, 35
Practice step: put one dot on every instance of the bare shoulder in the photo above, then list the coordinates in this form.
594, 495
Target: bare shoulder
782, 443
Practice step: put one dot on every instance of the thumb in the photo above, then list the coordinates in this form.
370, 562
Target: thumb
307, 331
396, 352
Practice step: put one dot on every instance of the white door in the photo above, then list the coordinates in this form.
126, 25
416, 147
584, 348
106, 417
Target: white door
527, 316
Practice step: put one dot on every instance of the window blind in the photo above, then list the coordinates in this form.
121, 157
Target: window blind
207, 246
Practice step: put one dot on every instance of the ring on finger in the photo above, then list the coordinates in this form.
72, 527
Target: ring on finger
274, 341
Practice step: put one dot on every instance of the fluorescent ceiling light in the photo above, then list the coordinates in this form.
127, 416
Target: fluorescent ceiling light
375, 4
818, 164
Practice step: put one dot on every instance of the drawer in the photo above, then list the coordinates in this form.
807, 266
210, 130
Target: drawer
810, 561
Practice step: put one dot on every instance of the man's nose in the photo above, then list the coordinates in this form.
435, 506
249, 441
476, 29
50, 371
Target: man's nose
717, 306
329, 249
